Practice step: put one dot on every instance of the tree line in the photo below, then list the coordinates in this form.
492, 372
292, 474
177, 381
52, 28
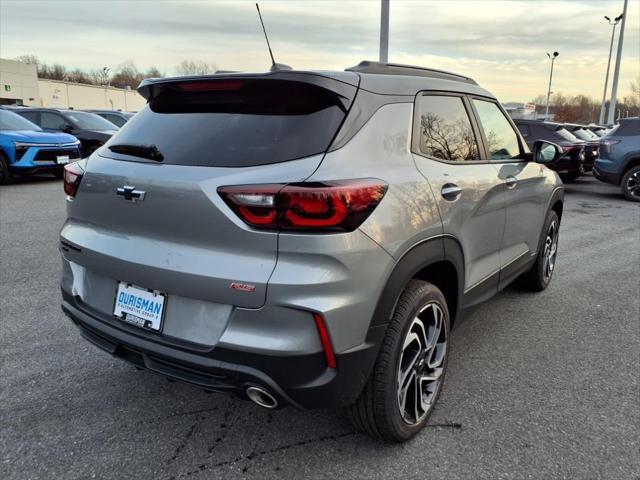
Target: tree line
124, 75
584, 109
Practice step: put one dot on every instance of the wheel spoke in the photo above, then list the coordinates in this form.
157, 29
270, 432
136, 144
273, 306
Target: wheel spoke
421, 363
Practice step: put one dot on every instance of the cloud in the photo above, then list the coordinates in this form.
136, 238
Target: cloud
500, 43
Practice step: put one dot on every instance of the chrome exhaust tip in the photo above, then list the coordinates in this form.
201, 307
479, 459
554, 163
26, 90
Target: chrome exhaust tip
261, 397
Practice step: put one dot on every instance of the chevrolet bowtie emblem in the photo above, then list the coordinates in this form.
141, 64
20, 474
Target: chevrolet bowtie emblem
130, 193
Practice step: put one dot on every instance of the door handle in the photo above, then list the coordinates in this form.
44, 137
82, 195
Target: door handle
451, 192
511, 182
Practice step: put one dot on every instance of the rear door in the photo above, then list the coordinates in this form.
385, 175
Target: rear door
470, 195
525, 189
173, 232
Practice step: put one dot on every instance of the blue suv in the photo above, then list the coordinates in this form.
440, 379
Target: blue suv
619, 161
25, 149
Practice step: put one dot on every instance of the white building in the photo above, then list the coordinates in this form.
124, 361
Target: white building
19, 84
523, 111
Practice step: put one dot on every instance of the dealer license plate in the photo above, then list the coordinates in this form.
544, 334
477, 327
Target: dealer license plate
140, 307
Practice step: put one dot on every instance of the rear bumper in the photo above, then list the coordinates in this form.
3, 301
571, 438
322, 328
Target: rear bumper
303, 381
606, 171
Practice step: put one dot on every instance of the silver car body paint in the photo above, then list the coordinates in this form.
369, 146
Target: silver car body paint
185, 241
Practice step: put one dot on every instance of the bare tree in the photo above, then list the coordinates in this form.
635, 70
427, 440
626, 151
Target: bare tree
190, 67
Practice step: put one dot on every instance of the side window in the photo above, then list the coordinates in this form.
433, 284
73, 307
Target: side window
52, 121
31, 116
116, 120
502, 140
445, 129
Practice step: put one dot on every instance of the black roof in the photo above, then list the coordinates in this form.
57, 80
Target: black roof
380, 68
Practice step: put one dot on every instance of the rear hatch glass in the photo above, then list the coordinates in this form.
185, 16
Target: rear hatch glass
235, 122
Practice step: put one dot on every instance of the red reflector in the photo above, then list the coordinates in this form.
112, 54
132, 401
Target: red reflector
211, 85
329, 206
325, 340
72, 177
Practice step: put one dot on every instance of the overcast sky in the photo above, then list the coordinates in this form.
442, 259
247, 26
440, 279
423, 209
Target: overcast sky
502, 44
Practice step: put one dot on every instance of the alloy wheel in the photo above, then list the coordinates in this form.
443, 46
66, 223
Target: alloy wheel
421, 364
633, 185
550, 251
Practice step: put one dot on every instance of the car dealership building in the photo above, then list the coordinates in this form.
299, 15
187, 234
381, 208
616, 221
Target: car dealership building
20, 85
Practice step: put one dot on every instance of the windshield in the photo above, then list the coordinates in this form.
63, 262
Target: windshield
13, 121
89, 121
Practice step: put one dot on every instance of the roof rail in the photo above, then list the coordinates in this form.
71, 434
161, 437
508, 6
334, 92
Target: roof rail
380, 68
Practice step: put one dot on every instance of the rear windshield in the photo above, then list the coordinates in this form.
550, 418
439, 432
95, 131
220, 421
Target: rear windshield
566, 134
252, 122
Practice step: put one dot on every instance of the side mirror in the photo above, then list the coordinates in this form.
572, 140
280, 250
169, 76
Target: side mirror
66, 128
546, 152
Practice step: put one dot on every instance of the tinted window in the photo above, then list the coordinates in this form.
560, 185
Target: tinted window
261, 122
31, 116
13, 121
501, 138
445, 129
116, 120
52, 121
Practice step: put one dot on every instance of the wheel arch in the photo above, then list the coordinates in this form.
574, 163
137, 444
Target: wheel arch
437, 260
633, 161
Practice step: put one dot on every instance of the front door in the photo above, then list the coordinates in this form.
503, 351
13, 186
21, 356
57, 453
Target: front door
468, 190
525, 190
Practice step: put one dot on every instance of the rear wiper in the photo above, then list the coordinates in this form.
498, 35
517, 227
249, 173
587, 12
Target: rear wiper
143, 151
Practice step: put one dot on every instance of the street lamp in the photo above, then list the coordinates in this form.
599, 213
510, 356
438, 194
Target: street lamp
553, 59
614, 23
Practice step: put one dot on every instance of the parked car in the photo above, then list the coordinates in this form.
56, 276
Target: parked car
599, 130
574, 162
25, 149
307, 239
117, 117
91, 129
592, 147
619, 161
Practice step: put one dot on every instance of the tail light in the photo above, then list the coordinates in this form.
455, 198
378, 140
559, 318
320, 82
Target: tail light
339, 206
72, 176
605, 145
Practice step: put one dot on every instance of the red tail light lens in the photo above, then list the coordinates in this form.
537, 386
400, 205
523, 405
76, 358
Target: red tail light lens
329, 355
72, 176
328, 206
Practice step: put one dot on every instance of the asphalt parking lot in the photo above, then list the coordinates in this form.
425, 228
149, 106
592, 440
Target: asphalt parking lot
539, 386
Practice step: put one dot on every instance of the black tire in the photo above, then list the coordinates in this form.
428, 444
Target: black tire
378, 411
539, 277
5, 173
630, 184
570, 177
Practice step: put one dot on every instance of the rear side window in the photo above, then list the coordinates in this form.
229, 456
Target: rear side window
502, 139
31, 116
445, 129
237, 123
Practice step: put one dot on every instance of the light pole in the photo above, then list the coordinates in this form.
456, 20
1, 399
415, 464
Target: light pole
606, 78
384, 31
616, 72
553, 59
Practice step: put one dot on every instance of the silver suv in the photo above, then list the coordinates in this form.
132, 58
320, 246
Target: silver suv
306, 238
